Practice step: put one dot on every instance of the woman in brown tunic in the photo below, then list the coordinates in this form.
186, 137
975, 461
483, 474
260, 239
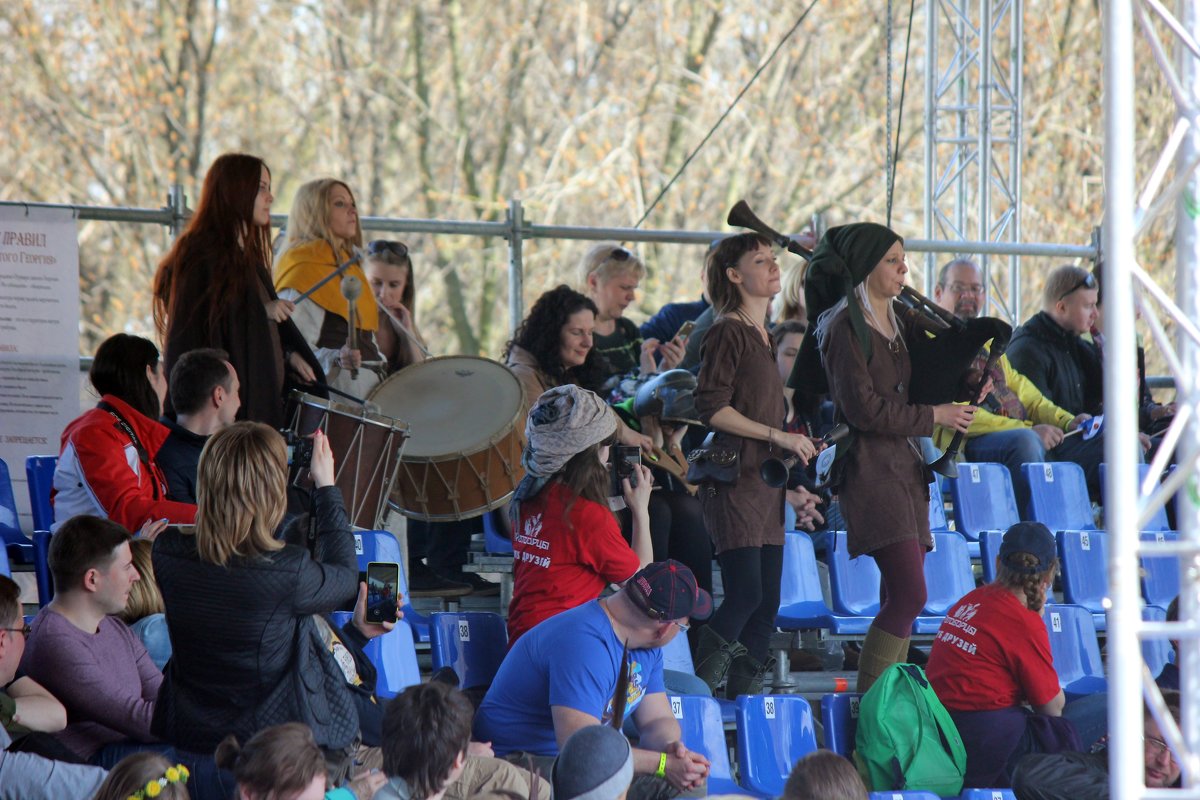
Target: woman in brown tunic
740, 394
884, 488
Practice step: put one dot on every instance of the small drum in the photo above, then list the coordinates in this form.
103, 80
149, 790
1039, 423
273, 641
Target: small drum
464, 454
366, 452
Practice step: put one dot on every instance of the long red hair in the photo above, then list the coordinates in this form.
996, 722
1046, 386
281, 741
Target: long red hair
221, 235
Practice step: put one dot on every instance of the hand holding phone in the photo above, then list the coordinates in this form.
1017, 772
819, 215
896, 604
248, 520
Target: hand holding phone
383, 590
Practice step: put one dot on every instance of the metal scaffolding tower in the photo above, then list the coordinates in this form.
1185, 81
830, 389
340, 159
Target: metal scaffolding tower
973, 136
1127, 214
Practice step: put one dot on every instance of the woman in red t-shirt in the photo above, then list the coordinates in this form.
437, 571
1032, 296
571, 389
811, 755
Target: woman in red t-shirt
991, 658
567, 544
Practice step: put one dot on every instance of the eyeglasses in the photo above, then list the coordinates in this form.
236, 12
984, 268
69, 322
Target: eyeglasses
25, 630
378, 246
1157, 747
1088, 281
683, 626
966, 288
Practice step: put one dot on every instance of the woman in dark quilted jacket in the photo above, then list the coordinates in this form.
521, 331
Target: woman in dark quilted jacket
240, 602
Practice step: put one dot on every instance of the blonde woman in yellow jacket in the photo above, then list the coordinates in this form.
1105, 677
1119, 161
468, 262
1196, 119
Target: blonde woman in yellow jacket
323, 231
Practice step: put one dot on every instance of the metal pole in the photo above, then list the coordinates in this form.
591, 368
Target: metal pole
1187, 256
177, 202
984, 162
1017, 12
516, 265
1120, 441
931, 76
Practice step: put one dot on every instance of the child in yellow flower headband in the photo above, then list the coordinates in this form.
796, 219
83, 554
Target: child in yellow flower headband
143, 776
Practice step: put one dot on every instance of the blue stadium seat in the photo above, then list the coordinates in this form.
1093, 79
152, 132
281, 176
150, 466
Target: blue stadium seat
937, 507
394, 655
802, 603
839, 716
1156, 652
382, 546
984, 499
989, 549
1075, 649
948, 578
702, 731
853, 582
773, 733
493, 542
677, 656
903, 796
987, 794
1159, 521
18, 545
1160, 574
39, 470
472, 643
1084, 558
1058, 496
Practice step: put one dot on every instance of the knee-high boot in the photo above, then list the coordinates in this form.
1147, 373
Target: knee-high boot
879, 651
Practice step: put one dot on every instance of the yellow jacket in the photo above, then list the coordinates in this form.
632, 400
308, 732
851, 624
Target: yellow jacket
304, 265
1039, 410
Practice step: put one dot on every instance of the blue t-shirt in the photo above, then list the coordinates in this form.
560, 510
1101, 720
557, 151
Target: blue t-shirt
572, 660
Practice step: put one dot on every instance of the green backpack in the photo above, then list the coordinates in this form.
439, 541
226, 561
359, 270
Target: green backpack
906, 740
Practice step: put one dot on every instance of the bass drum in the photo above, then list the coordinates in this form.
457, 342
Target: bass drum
463, 455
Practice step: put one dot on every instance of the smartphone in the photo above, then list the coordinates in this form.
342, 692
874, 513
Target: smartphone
383, 586
685, 330
622, 458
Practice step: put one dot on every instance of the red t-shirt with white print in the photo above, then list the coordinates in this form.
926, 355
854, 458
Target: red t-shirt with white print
561, 561
992, 652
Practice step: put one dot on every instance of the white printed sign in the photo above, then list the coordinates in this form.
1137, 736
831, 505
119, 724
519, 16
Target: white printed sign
677, 707
464, 631
769, 707
1056, 622
39, 335
1085, 541
975, 473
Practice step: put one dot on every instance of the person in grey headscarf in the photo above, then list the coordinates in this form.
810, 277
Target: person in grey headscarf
567, 543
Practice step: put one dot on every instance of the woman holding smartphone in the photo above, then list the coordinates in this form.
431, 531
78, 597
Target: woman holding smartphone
255, 658
567, 543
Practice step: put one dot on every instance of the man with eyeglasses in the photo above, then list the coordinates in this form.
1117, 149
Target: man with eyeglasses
1084, 776
562, 675
24, 774
1015, 423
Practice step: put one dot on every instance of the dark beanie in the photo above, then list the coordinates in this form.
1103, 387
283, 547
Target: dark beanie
595, 763
843, 259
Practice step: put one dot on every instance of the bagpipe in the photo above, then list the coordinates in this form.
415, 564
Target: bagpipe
942, 348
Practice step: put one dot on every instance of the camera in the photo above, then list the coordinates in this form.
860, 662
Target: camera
621, 459
299, 449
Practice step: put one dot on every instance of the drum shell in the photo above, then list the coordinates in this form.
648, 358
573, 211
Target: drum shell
366, 453
477, 474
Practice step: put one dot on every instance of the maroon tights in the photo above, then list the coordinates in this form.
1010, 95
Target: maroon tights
902, 588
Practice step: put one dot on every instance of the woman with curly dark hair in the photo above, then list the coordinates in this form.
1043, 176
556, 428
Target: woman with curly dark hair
554, 346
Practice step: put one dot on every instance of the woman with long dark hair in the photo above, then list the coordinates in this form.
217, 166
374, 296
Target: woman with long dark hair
106, 467
740, 395
213, 289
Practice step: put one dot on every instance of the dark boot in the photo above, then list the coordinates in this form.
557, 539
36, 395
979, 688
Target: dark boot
746, 676
713, 655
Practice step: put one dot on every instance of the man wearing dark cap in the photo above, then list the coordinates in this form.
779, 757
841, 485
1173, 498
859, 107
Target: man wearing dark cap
562, 675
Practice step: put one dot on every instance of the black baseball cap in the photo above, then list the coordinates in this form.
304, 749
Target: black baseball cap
1029, 537
667, 590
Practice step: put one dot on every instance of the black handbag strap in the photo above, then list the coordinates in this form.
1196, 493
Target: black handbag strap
142, 454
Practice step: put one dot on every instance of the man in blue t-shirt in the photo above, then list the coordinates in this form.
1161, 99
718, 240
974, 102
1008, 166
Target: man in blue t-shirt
561, 676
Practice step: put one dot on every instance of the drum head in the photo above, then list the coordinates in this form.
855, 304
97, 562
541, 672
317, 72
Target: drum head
452, 404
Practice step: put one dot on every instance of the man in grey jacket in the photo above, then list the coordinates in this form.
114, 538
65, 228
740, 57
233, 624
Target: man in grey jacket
25, 776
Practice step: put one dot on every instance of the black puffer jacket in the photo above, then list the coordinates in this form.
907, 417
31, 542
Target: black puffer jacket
1064, 367
1063, 776
239, 631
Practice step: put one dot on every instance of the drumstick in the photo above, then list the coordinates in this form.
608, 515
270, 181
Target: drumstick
354, 259
351, 289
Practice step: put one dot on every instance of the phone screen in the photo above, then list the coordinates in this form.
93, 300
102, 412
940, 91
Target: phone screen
685, 330
383, 585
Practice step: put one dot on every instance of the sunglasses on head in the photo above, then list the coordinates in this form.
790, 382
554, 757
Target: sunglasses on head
379, 246
1088, 281
620, 254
